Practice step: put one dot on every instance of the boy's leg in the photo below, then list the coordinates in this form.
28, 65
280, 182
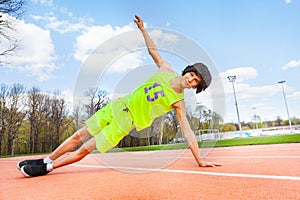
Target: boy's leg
77, 155
69, 144
40, 170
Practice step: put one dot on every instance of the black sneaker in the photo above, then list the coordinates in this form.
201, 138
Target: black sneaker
34, 170
30, 162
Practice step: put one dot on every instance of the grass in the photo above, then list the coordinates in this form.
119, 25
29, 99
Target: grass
295, 138
18, 155
281, 139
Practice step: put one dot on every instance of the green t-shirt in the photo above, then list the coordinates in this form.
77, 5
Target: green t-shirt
152, 99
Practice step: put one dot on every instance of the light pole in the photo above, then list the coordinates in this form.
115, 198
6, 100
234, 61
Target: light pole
286, 106
232, 80
255, 119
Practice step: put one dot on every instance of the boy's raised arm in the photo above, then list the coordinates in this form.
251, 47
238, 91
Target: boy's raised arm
150, 45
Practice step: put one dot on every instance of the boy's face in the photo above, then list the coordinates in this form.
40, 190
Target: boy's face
191, 80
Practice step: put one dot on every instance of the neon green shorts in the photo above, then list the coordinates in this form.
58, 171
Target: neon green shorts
110, 124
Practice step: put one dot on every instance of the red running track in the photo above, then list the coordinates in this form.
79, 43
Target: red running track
249, 172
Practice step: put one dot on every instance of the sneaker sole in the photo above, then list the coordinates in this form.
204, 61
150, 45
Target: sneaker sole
24, 173
18, 165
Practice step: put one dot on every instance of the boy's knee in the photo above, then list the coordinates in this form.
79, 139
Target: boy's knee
82, 151
82, 134
76, 137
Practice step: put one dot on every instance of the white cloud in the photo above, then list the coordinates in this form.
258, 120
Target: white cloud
242, 73
7, 39
287, 1
93, 37
68, 96
36, 55
295, 95
246, 91
291, 64
249, 96
92, 44
90, 39
63, 26
162, 38
44, 2
129, 61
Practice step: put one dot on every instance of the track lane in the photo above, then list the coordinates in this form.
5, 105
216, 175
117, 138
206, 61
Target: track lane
189, 182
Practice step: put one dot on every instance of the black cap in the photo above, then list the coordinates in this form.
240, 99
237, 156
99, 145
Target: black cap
204, 73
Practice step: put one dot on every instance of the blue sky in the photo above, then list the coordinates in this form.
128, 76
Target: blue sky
256, 40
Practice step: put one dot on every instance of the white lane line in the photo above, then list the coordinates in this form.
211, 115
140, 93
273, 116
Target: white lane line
137, 157
249, 157
247, 149
294, 178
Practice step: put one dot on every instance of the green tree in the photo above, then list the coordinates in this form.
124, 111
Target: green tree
278, 121
14, 116
228, 127
3, 113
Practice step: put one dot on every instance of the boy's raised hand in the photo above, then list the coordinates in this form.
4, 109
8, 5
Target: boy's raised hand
139, 22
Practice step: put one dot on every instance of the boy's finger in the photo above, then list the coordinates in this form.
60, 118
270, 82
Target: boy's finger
137, 17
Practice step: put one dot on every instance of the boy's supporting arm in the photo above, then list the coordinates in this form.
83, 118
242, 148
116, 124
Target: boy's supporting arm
190, 136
